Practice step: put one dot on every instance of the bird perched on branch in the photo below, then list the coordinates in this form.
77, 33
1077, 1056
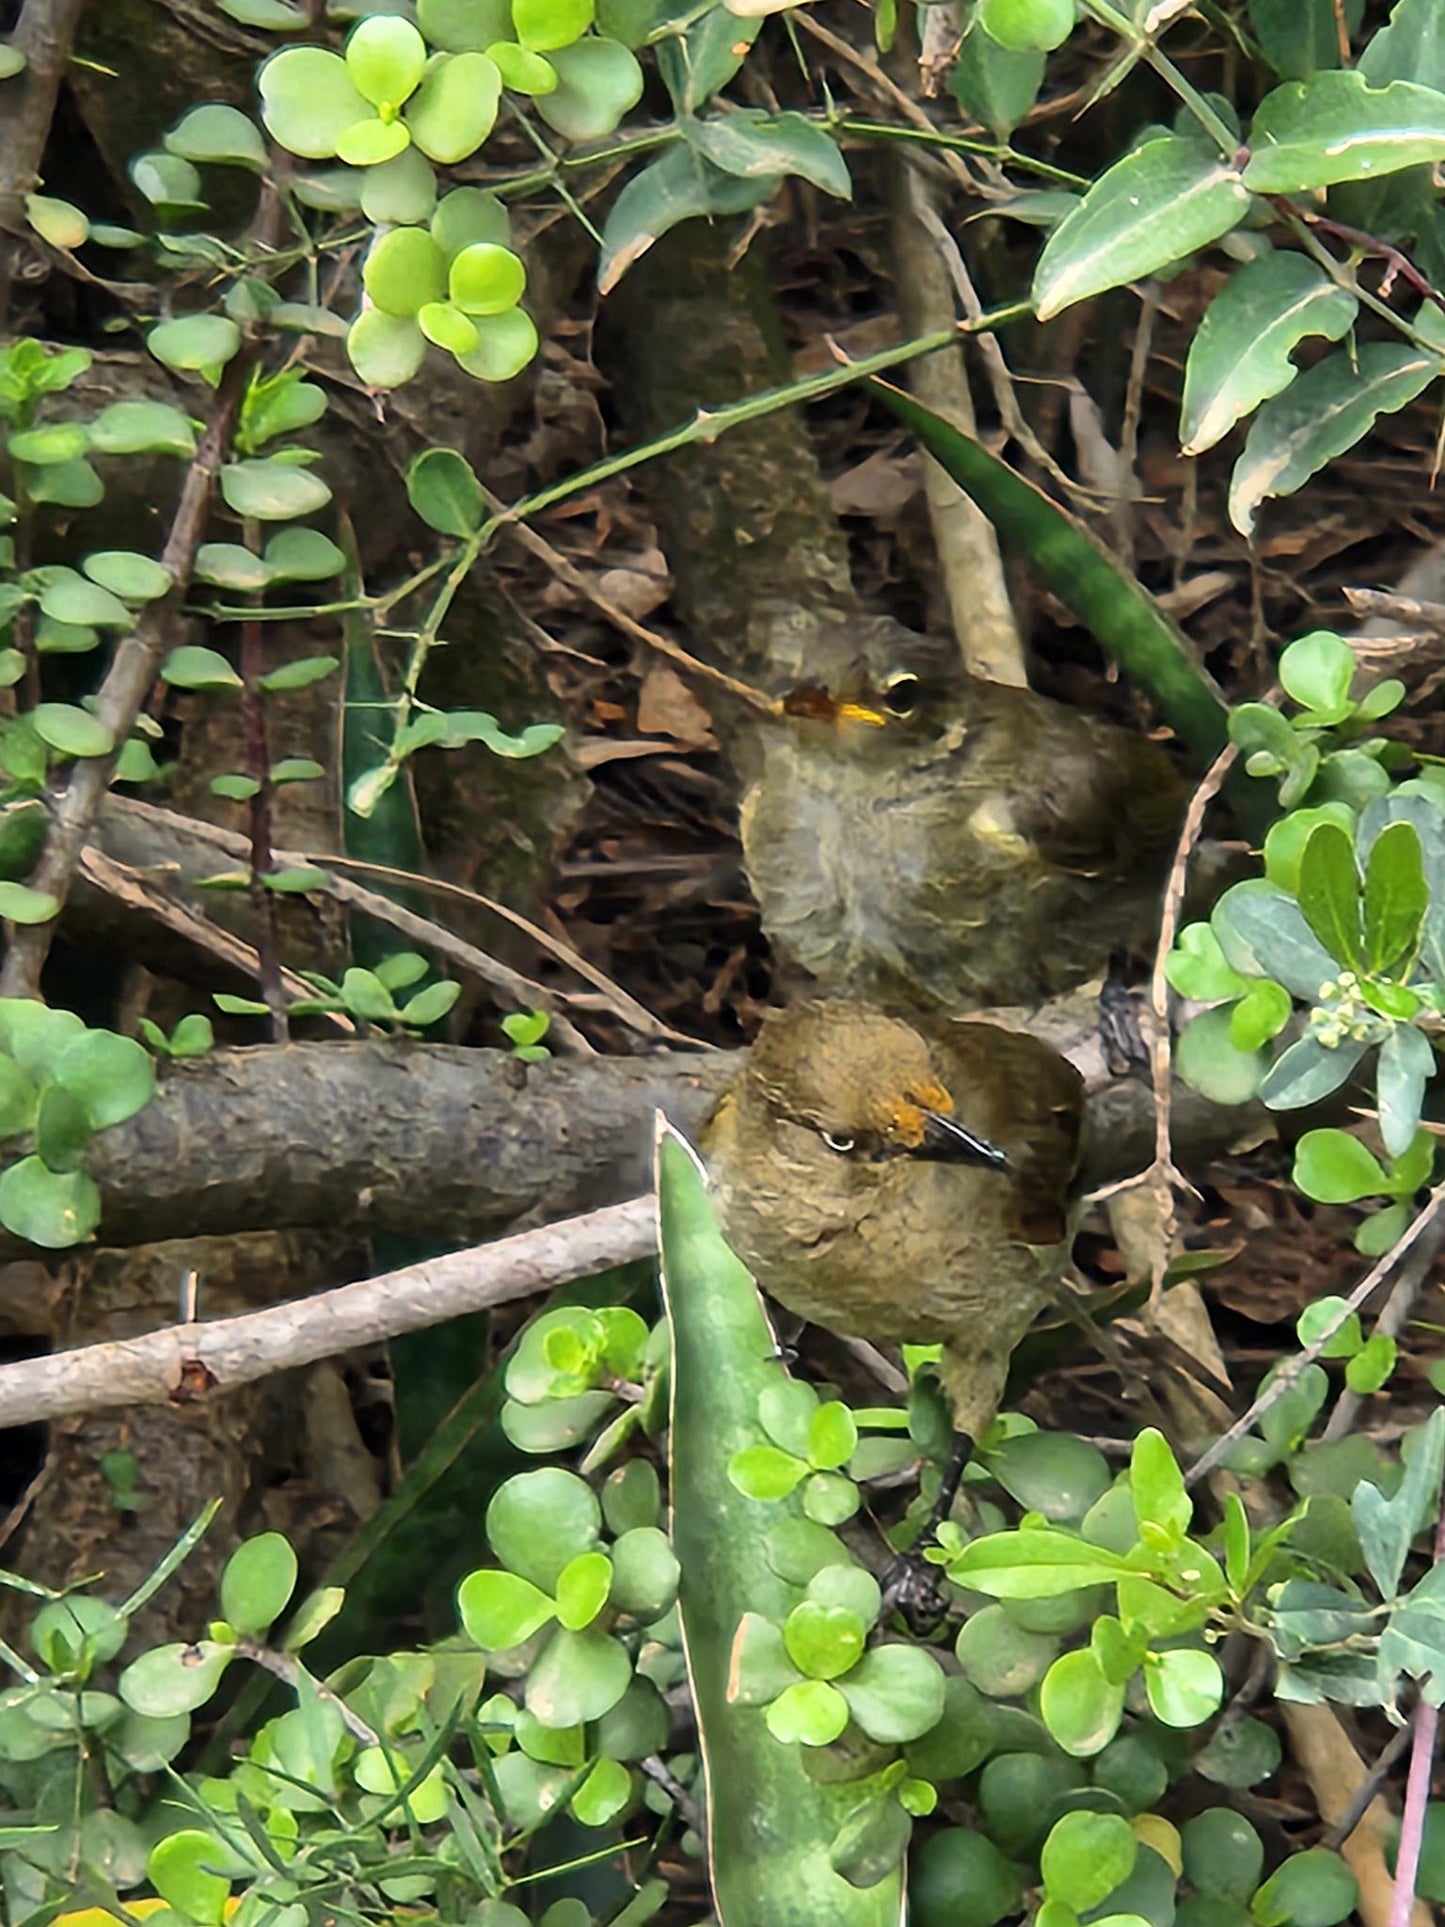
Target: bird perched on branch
902, 1180
917, 835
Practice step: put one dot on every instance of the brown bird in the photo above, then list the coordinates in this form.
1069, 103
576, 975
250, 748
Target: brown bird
902, 1181
917, 835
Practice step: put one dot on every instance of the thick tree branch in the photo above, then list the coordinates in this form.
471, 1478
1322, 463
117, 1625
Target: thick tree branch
185, 1362
44, 34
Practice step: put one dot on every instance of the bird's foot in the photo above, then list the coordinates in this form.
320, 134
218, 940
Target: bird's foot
912, 1588
1119, 1027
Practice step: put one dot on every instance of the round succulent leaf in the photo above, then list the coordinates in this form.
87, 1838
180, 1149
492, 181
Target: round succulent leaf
644, 1573
166, 180
844, 1584
786, 1407
257, 1582
401, 190
1086, 1856
404, 271
1310, 1889
385, 59
485, 279
71, 731
1210, 1062
112, 1077
640, 1723
810, 1712
467, 216
582, 1589
632, 1497
442, 487
34, 1036
59, 222
385, 350
521, 70
62, 1130
541, 25
1185, 1687
142, 427
172, 1680
195, 342
20, 904
72, 485
499, 1610
80, 1631
447, 327
302, 555
539, 1521
1052, 1473
372, 143
832, 1436
895, 1693
824, 1641
958, 1878
180, 1869
579, 1676
1240, 1753
602, 1795
18, 1097
464, 26
764, 1472
1000, 1657
1080, 1704
830, 1498
218, 133
193, 666
12, 61
1223, 1855
135, 577
455, 108
1134, 1771
506, 344
51, 442
270, 490
308, 100
599, 82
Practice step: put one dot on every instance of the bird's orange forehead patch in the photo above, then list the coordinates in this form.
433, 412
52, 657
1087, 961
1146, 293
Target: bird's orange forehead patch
903, 1119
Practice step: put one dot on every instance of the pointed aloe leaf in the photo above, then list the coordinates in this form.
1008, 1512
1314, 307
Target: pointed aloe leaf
771, 1826
1128, 622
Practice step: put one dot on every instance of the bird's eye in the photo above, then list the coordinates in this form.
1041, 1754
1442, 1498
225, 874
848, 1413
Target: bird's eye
842, 1145
901, 693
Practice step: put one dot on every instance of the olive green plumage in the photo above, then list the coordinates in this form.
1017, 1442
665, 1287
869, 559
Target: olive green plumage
975, 844
843, 1180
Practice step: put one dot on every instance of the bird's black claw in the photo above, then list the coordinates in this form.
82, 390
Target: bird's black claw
911, 1588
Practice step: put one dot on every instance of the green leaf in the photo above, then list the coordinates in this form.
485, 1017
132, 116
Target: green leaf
1307, 1073
195, 342
455, 108
505, 345
17, 1099
193, 666
578, 1676
678, 187
308, 100
1079, 1705
12, 61
485, 279
523, 72
1321, 415
404, 270
1298, 37
135, 577
1185, 1688
1372, 1366
1334, 1168
403, 189
464, 26
543, 25
1259, 1016
1196, 967
1033, 1563
1154, 207
270, 490
751, 144
302, 555
1157, 1485
958, 1878
1262, 933
1240, 355
1212, 1063
142, 427
809, 1713
1336, 127
823, 1641
71, 731
1317, 671
894, 1693
180, 1869
1086, 1856
1329, 894
48, 1208
280, 407
992, 84
112, 1077
704, 57
62, 1130
1310, 1889
443, 489
429, 1006
499, 1610
216, 132
598, 83
468, 215
583, 1586
20, 904
68, 597
257, 1582
763, 1472
385, 58
60, 223
1396, 898
229, 566
1406, 1065
52, 442
299, 674
385, 350
1411, 47
167, 181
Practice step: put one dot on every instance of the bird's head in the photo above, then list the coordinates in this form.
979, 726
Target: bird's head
861, 676
864, 1082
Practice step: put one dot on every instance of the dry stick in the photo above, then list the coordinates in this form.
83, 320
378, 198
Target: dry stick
126, 686
1365, 1793
1391, 1321
43, 34
1288, 1375
511, 983
1417, 1788
186, 1362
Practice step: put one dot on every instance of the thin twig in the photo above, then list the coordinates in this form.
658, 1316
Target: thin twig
183, 1363
1288, 1374
288, 1670
1391, 1322
1336, 1836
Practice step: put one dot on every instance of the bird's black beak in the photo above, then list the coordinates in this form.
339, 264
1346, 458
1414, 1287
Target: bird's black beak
947, 1141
